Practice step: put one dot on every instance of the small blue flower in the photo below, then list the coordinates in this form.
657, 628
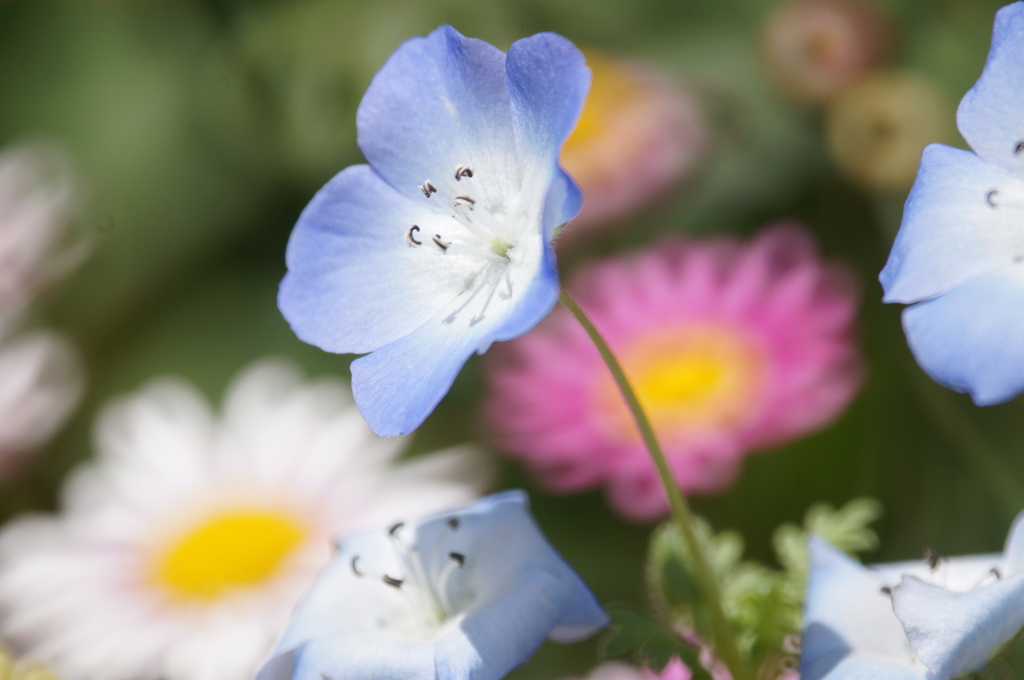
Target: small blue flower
469, 594
927, 620
959, 256
443, 243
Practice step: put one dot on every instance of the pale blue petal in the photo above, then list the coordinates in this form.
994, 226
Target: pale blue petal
850, 631
962, 220
548, 80
398, 385
354, 657
563, 203
535, 304
970, 338
954, 633
353, 284
439, 102
990, 114
1013, 552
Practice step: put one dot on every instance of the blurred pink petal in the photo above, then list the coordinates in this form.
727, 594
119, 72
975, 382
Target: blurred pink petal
731, 347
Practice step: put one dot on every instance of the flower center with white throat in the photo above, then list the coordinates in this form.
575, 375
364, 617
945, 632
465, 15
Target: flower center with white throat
475, 234
424, 584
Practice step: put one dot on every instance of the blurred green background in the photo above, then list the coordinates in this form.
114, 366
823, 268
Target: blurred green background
200, 128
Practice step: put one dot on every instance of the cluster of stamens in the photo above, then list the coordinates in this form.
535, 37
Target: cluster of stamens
429, 598
478, 235
934, 561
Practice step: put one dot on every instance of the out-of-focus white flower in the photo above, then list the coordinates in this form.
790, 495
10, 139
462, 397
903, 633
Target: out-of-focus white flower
182, 549
36, 198
40, 382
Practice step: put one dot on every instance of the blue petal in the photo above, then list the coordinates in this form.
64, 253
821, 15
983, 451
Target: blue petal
969, 339
439, 102
1013, 552
990, 114
850, 632
353, 284
564, 201
353, 657
548, 82
961, 221
954, 633
399, 385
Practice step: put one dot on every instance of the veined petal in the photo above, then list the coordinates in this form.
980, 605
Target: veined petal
353, 284
850, 631
398, 385
954, 633
968, 339
989, 114
548, 82
962, 220
440, 102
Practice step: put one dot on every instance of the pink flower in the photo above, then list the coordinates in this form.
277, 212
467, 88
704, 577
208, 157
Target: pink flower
731, 347
640, 134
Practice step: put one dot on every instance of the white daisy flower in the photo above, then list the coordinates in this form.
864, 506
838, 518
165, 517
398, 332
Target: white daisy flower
183, 548
42, 380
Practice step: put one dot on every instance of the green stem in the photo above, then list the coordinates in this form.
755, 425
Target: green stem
723, 640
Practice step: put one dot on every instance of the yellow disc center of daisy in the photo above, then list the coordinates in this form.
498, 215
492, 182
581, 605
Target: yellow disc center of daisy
696, 378
226, 552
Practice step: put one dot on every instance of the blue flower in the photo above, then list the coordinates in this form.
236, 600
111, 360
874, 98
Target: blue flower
469, 594
443, 243
959, 256
927, 620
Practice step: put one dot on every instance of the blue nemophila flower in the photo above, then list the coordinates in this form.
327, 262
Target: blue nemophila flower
442, 244
934, 619
959, 256
468, 594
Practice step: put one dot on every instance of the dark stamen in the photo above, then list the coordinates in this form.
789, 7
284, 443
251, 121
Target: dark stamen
1019, 149
355, 569
990, 198
410, 236
393, 582
886, 590
462, 171
932, 557
428, 188
458, 557
453, 523
395, 527
995, 572
439, 243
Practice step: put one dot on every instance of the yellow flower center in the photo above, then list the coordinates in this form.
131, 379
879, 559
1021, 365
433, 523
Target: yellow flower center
225, 552
688, 379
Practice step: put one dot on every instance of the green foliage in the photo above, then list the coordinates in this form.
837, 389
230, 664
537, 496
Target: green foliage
764, 604
649, 642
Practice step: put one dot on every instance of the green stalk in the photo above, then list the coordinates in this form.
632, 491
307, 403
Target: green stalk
723, 640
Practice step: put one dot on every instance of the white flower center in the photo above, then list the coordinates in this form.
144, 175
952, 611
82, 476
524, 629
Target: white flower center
432, 602
475, 231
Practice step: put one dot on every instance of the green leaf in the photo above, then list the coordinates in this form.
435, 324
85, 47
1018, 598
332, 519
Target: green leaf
648, 642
